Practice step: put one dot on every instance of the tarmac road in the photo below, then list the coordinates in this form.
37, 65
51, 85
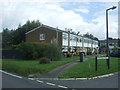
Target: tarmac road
9, 81
106, 82
13, 81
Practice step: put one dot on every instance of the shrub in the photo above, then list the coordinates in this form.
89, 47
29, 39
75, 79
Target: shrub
34, 51
28, 50
40, 48
53, 52
69, 54
44, 60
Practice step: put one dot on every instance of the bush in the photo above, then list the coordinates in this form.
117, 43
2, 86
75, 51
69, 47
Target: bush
34, 51
44, 60
28, 50
40, 49
69, 54
53, 52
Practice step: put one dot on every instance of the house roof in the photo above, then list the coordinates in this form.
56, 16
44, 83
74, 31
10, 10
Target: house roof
56, 29
49, 27
52, 28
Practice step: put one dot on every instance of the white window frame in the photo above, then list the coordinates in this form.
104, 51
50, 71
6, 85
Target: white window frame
42, 36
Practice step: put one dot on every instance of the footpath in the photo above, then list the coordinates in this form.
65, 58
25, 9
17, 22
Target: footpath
61, 69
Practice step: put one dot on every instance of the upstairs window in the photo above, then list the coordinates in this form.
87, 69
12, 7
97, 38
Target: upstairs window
42, 36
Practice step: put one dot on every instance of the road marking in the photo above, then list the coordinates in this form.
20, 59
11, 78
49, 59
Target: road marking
31, 78
68, 79
10, 74
50, 83
62, 86
81, 78
40, 81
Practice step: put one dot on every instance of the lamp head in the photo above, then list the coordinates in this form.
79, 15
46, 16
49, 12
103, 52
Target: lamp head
114, 7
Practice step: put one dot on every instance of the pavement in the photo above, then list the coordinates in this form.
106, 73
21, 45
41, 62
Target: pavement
61, 69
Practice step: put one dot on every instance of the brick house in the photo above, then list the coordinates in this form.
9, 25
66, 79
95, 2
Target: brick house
48, 35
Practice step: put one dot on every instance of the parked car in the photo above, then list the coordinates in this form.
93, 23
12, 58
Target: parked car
115, 53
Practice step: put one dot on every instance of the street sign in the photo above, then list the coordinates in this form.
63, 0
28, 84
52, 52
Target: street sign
102, 57
98, 58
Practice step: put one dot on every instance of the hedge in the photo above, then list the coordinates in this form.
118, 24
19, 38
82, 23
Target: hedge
35, 51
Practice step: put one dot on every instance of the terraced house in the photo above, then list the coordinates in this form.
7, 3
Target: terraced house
65, 39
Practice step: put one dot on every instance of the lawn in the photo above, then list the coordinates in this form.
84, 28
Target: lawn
87, 69
27, 67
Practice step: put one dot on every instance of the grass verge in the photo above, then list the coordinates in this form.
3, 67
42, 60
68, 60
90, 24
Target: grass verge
27, 67
87, 69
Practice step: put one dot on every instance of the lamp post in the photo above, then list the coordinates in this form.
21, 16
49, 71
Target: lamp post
107, 44
107, 28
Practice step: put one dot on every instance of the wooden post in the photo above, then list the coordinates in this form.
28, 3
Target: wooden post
108, 63
96, 64
82, 44
68, 41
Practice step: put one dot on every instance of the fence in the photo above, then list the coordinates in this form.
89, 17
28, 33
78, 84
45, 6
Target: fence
12, 54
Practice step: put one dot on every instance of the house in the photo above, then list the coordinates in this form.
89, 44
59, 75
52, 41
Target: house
111, 42
48, 35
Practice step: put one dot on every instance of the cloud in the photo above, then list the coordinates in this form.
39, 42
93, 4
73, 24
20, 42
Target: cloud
53, 14
82, 10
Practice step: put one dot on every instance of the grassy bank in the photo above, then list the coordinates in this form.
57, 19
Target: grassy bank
87, 69
27, 67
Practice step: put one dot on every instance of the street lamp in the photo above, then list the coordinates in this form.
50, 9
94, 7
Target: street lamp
107, 28
108, 60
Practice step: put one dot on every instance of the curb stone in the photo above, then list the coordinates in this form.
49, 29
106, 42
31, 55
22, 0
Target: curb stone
97, 77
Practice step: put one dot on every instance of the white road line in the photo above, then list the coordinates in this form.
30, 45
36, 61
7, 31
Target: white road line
10, 74
40, 81
81, 78
50, 83
31, 78
62, 86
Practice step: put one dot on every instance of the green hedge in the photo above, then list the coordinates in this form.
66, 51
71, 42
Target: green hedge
35, 51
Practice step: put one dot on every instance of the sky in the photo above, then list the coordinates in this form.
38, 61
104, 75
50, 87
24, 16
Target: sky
83, 17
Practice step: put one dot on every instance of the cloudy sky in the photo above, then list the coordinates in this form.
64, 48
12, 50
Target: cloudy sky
78, 16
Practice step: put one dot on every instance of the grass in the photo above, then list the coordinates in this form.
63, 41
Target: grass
27, 67
87, 69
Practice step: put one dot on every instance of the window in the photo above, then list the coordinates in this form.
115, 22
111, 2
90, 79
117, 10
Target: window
42, 36
80, 40
64, 36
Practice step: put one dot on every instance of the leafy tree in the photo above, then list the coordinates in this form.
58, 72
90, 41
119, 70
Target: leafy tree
115, 47
14, 37
7, 38
118, 42
90, 36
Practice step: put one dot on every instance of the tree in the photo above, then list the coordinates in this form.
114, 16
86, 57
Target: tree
7, 39
90, 36
19, 34
115, 47
14, 37
118, 42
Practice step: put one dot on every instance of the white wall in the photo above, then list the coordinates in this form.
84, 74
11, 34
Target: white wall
87, 42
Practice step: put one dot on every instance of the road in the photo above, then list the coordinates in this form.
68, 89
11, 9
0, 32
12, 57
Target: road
12, 81
106, 82
9, 81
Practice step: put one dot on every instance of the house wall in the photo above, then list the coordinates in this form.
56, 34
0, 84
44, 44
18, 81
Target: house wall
53, 35
50, 36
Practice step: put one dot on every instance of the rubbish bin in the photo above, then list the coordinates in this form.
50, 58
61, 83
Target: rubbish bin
81, 56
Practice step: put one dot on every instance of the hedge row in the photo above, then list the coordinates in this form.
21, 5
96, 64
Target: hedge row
35, 51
